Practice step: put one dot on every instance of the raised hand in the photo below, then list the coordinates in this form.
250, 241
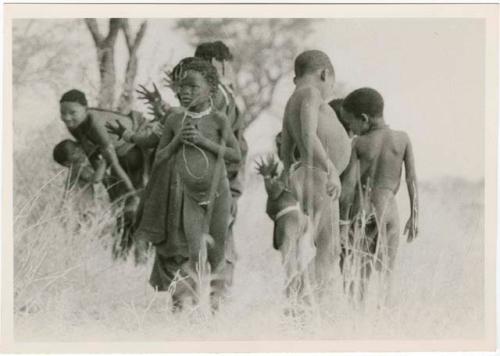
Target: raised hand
156, 106
117, 130
149, 96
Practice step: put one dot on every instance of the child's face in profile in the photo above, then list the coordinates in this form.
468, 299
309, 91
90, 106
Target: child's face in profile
72, 113
328, 84
359, 125
75, 157
193, 89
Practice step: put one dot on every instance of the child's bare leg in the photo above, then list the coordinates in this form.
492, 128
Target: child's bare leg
193, 215
231, 255
218, 232
387, 212
393, 231
287, 231
328, 232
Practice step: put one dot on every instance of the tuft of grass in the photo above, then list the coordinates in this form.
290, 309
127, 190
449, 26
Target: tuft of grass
68, 288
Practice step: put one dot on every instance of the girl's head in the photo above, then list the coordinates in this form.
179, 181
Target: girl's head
195, 81
73, 108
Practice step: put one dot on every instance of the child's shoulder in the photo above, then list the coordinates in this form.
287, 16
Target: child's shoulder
173, 115
400, 134
307, 93
219, 117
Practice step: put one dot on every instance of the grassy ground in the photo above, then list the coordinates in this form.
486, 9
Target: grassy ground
68, 289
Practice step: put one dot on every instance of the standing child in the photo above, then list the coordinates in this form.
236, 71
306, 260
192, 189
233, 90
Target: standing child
225, 100
311, 127
378, 155
188, 195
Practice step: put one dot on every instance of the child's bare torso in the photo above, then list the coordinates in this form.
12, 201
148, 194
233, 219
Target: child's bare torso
330, 131
381, 155
196, 165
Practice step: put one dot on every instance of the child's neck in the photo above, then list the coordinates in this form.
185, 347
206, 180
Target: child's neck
307, 81
378, 123
199, 107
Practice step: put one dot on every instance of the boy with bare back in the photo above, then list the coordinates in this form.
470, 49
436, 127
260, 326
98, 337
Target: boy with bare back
311, 126
378, 155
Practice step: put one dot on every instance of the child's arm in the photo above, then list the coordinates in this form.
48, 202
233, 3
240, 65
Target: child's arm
309, 112
100, 171
349, 181
349, 185
411, 227
232, 151
109, 154
169, 142
286, 153
149, 137
111, 158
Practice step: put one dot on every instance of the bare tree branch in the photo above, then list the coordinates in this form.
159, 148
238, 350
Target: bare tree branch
133, 44
94, 30
126, 33
114, 27
140, 35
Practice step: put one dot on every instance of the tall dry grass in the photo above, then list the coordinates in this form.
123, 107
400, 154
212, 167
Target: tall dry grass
67, 288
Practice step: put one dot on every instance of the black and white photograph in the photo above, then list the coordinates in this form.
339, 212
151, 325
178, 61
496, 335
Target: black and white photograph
247, 177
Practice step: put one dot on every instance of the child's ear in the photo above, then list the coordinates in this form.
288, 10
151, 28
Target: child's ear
365, 118
294, 80
323, 75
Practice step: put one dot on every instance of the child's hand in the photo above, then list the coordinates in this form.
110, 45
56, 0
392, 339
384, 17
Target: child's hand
149, 96
191, 134
153, 99
411, 229
117, 130
333, 186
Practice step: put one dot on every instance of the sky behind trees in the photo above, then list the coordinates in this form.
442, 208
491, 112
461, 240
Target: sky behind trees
430, 72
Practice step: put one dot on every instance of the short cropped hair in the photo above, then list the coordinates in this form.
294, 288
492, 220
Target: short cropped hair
336, 105
310, 61
63, 151
206, 69
74, 95
364, 101
217, 50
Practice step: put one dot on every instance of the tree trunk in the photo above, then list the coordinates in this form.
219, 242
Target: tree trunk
105, 57
105, 47
127, 96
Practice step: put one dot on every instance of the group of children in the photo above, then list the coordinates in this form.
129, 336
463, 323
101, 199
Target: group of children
334, 184
185, 202
180, 176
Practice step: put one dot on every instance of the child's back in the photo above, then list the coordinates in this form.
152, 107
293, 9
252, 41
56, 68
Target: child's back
381, 154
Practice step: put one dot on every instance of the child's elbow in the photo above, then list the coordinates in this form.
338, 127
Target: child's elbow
235, 157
